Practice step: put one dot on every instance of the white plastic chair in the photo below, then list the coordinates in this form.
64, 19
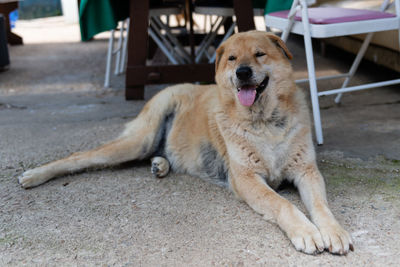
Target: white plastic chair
325, 22
119, 51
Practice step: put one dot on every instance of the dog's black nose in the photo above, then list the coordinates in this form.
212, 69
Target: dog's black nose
244, 73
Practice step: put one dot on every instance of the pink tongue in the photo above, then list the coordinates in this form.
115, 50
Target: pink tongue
247, 96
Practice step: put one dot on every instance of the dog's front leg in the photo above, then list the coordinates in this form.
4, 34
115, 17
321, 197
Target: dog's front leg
311, 186
250, 186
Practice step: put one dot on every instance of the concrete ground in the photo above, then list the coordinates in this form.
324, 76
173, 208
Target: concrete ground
52, 103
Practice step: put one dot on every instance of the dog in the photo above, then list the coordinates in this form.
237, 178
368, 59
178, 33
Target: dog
249, 132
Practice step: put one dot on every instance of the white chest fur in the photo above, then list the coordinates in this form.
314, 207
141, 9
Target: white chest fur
264, 151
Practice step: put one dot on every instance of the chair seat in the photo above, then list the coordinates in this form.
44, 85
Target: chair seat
338, 21
329, 15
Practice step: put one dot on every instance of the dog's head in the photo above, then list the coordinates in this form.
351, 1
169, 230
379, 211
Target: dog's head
250, 64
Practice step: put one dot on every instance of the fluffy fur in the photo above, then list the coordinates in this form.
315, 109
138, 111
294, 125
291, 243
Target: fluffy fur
204, 130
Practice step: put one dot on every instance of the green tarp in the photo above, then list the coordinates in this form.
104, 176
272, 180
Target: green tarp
97, 16
277, 5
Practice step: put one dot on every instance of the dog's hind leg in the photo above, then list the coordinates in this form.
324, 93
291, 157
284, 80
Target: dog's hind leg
141, 139
115, 152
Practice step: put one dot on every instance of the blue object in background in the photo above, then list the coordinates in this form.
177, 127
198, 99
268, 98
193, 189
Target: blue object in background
13, 18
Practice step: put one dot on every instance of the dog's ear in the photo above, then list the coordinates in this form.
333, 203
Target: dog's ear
219, 53
279, 42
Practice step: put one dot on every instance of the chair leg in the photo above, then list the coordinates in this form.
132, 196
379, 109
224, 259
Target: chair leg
311, 75
209, 39
169, 37
291, 15
226, 36
119, 48
109, 59
124, 47
355, 64
163, 45
205, 18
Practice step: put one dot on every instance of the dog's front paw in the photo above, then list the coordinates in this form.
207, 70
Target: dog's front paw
32, 178
159, 167
336, 239
306, 238
303, 234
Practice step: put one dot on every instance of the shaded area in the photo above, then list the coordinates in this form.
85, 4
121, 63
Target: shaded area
52, 104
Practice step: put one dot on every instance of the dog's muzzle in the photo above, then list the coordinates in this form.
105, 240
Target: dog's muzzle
248, 93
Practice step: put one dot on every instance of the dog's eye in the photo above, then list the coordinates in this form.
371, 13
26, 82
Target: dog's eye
231, 58
260, 54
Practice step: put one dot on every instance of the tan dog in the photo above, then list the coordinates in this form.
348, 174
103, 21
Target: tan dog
249, 132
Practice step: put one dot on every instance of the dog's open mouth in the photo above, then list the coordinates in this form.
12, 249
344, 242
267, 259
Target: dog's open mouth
249, 93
